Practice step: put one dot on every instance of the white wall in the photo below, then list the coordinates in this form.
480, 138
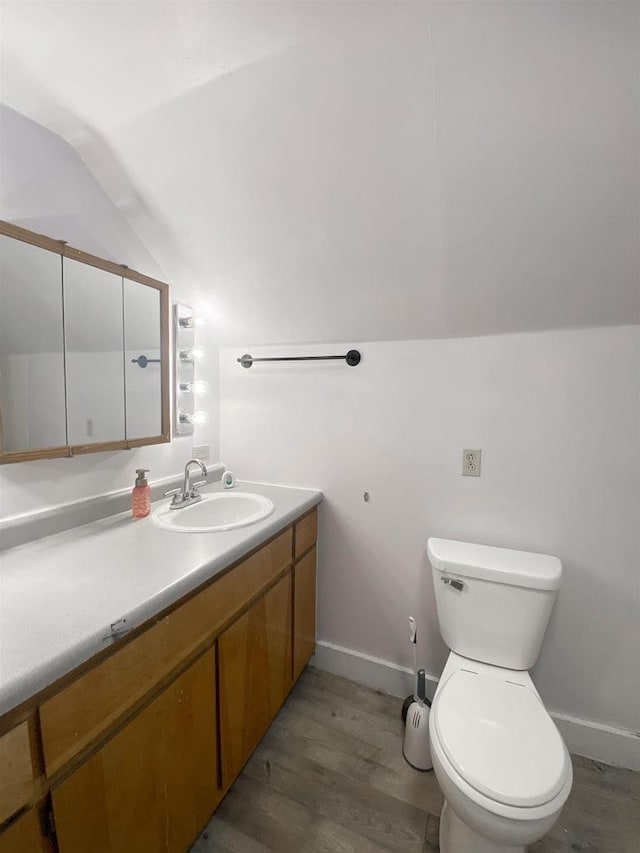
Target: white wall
393, 170
46, 187
557, 418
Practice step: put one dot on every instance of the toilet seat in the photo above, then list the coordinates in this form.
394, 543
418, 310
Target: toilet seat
499, 739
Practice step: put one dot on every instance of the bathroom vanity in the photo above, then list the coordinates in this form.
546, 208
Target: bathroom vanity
134, 747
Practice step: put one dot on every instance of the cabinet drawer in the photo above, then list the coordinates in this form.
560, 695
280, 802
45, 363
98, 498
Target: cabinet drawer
306, 532
78, 715
16, 770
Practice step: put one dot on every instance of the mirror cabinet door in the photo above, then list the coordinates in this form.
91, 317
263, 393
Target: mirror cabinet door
84, 351
93, 320
142, 358
32, 371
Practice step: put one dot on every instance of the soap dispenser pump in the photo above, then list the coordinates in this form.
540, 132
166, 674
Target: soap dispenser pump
141, 495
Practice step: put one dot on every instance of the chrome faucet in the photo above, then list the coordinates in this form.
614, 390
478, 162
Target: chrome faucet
189, 493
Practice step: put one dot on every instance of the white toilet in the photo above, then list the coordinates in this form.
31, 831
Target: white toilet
501, 763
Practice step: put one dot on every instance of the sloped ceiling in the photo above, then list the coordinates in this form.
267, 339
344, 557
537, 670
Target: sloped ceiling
357, 171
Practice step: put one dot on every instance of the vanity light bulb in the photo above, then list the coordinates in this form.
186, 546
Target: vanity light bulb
199, 418
191, 322
194, 354
200, 388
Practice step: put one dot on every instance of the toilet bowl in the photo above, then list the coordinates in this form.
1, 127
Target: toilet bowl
503, 767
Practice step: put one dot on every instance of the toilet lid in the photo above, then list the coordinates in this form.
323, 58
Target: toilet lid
500, 739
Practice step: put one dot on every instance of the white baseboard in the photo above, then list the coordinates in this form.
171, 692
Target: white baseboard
364, 669
584, 737
598, 741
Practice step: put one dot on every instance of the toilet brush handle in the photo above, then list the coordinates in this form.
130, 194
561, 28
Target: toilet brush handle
413, 631
422, 688
413, 638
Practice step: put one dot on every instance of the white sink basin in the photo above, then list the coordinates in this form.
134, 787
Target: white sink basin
215, 512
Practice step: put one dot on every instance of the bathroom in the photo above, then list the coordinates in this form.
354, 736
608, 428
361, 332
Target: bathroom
451, 189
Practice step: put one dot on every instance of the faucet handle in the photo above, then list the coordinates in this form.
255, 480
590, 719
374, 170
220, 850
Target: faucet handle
197, 485
175, 493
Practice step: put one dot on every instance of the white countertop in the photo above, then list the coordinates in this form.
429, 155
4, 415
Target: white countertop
60, 595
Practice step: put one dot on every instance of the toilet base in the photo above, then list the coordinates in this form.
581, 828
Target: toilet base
457, 837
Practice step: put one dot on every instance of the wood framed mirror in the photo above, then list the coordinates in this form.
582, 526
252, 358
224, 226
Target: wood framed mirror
84, 351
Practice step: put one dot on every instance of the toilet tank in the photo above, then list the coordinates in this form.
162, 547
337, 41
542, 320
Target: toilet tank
493, 604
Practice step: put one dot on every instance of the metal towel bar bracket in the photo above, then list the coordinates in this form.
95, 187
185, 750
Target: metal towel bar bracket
143, 361
352, 358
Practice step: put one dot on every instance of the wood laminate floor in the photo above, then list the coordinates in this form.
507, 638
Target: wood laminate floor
329, 777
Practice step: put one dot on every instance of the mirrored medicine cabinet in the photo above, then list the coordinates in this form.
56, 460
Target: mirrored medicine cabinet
84, 351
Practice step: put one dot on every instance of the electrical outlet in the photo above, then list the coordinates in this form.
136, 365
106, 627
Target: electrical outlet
200, 451
471, 462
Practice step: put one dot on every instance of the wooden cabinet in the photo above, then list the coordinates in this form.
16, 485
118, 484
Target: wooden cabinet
137, 750
304, 611
25, 836
254, 657
154, 784
79, 714
304, 591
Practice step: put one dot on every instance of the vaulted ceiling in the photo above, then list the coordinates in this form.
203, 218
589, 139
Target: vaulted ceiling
356, 171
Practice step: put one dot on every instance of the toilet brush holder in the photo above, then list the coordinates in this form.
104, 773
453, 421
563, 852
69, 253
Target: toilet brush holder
416, 748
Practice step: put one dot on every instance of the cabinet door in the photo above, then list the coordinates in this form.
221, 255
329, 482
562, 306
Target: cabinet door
254, 658
25, 836
93, 324
304, 611
154, 785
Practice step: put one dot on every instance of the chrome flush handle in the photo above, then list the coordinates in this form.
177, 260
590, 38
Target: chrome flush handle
454, 582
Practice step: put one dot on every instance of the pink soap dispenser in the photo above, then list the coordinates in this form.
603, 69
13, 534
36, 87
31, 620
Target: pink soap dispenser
141, 495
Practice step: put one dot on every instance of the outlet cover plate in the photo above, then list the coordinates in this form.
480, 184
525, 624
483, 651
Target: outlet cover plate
200, 451
471, 460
